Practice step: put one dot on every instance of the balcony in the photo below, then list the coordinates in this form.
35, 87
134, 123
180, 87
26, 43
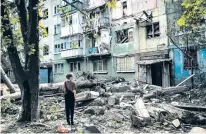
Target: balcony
72, 53
96, 51
95, 24
69, 30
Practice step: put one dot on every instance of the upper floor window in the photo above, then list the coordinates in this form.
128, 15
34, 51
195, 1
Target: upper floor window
57, 29
153, 30
46, 50
45, 13
124, 7
56, 9
66, 21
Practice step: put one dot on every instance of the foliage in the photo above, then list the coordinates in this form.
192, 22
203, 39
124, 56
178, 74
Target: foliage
112, 4
194, 11
8, 108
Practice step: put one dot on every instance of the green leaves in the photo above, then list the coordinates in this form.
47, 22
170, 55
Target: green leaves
194, 11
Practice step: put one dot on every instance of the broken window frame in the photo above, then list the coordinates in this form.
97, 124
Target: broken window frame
100, 66
122, 36
154, 29
45, 50
188, 63
125, 64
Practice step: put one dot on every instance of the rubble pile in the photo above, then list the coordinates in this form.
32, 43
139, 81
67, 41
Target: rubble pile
117, 105
126, 104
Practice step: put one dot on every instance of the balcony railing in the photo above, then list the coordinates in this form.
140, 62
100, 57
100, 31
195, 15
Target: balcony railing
78, 52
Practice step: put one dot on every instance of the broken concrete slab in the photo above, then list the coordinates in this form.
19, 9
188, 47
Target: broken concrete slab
137, 121
141, 109
120, 88
87, 95
176, 123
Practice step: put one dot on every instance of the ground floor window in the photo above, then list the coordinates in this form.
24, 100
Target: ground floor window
58, 68
125, 64
75, 66
99, 65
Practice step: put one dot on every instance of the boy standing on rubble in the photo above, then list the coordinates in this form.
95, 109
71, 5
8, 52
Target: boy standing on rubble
70, 98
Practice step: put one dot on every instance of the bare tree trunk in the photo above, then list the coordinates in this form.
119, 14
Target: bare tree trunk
7, 81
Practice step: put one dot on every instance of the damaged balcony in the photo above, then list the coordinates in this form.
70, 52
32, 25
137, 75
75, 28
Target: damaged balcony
72, 53
96, 24
97, 51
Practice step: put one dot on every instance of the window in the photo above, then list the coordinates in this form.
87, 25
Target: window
47, 31
187, 61
57, 48
57, 29
56, 9
58, 68
130, 35
124, 6
100, 66
153, 30
46, 50
125, 64
65, 21
124, 36
45, 13
70, 20
75, 66
16, 26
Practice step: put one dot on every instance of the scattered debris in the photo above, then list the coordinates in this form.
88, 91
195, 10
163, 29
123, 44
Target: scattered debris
176, 123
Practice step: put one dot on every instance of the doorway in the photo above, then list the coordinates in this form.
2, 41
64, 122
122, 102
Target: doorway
156, 70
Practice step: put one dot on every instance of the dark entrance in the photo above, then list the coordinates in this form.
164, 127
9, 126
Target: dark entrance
156, 70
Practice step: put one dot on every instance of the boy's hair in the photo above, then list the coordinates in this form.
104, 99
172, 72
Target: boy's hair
68, 76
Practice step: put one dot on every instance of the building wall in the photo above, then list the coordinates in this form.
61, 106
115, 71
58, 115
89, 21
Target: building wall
157, 43
180, 73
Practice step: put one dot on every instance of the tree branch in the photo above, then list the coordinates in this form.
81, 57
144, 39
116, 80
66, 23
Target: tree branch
11, 48
21, 7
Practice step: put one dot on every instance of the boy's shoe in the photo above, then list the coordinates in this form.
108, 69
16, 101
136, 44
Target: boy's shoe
69, 123
72, 123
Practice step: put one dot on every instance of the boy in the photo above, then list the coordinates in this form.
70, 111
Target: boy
70, 95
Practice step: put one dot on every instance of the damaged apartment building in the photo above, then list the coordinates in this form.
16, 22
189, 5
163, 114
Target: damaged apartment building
97, 38
139, 41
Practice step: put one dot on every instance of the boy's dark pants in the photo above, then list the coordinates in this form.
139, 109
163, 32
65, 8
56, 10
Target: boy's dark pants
69, 106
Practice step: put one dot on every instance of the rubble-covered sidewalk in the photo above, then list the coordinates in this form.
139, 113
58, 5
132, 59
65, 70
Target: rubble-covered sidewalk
116, 106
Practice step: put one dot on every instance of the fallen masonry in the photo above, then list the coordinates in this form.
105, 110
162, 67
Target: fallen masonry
117, 105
